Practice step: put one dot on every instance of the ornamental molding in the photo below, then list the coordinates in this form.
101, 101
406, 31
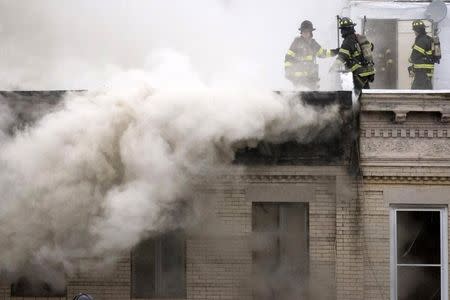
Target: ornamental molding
402, 102
262, 178
251, 178
429, 180
405, 133
406, 150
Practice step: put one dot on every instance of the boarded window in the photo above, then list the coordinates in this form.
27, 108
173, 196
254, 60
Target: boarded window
280, 250
25, 287
158, 267
419, 254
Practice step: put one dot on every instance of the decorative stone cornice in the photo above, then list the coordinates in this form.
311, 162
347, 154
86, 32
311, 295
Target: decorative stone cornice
400, 116
402, 102
429, 180
274, 178
417, 139
405, 133
238, 179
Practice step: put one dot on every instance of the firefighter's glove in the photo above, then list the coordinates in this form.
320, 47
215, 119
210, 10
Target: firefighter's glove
411, 71
334, 52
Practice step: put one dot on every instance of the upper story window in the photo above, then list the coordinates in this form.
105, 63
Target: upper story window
24, 287
419, 253
280, 250
159, 267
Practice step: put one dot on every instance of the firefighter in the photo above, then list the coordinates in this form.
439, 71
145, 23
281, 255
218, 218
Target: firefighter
83, 296
384, 61
421, 59
300, 61
356, 55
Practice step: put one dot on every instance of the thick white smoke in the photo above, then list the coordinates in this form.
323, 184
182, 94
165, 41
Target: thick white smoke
66, 44
6, 119
96, 176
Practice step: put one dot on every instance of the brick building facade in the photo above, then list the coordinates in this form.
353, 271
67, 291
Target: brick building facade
288, 228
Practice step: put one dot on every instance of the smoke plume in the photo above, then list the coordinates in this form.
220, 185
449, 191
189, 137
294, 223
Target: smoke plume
6, 119
65, 44
96, 175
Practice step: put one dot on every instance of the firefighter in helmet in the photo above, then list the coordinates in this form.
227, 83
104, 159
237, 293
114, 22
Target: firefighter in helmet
356, 55
82, 296
421, 59
300, 63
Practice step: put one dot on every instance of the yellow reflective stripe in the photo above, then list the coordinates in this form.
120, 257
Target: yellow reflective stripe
359, 79
423, 66
324, 53
300, 74
291, 53
355, 67
364, 74
356, 53
344, 51
307, 58
430, 52
419, 49
430, 74
287, 64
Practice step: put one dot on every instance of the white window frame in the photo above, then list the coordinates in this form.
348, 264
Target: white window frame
444, 246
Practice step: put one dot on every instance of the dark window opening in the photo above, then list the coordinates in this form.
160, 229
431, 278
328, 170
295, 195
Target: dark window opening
280, 250
384, 52
418, 255
25, 287
158, 267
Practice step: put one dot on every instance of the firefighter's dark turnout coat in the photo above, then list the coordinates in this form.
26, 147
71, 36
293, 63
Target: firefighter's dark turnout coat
300, 63
351, 55
422, 62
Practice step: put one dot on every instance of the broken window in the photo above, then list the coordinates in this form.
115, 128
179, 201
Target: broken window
280, 250
25, 287
158, 267
419, 254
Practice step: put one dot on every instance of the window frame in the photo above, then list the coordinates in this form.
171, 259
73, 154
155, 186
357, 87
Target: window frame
16, 293
158, 240
443, 214
281, 207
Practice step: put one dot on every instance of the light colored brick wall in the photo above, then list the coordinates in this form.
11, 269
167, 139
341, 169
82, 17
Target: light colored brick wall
376, 241
218, 268
207, 278
322, 239
219, 261
404, 146
349, 262
349, 226
103, 284
376, 229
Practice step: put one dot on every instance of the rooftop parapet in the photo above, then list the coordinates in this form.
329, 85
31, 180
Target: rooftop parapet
28, 106
402, 102
336, 150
